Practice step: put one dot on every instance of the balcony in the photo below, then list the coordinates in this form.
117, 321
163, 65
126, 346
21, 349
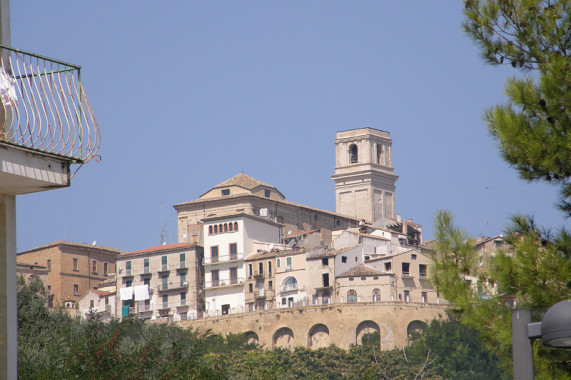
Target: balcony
220, 283
163, 268
145, 271
289, 288
182, 303
127, 273
163, 305
145, 308
260, 293
174, 286
181, 265
45, 107
222, 259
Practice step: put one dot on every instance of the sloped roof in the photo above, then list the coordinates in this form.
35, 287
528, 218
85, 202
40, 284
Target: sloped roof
99, 248
331, 252
242, 180
299, 233
363, 270
161, 248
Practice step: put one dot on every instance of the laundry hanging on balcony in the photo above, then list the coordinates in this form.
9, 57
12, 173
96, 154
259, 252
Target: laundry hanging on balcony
126, 293
141, 293
7, 88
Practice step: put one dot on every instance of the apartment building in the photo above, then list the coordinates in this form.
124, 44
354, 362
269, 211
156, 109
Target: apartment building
410, 270
228, 241
291, 276
73, 269
260, 285
365, 284
161, 282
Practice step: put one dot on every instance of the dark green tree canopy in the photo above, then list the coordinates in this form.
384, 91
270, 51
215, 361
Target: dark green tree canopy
532, 129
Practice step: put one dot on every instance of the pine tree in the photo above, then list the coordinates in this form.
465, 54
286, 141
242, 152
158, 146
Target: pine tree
532, 131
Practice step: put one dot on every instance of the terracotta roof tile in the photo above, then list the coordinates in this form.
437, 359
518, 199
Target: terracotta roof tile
244, 181
363, 270
161, 248
331, 252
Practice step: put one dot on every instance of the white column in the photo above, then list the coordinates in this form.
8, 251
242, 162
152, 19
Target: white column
8, 289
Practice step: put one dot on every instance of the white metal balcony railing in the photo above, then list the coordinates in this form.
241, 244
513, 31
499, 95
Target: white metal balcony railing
163, 268
222, 259
128, 273
289, 288
173, 286
181, 265
225, 282
44, 106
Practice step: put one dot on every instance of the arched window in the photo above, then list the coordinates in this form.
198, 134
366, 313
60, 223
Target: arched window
215, 229
351, 296
225, 227
230, 225
289, 284
353, 154
209, 230
220, 227
376, 295
235, 226
380, 154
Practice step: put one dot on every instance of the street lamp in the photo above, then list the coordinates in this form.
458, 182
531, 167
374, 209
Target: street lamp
554, 331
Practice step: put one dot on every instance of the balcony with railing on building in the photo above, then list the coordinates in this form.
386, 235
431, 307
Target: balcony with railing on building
215, 260
238, 281
172, 286
44, 107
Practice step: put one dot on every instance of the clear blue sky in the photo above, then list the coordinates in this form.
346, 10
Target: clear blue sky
189, 93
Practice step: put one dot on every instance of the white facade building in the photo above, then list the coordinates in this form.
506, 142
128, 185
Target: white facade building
228, 240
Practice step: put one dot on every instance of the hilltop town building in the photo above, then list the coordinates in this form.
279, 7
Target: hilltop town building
364, 176
73, 269
161, 282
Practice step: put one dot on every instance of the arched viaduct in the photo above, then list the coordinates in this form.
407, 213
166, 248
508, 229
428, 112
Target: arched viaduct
319, 326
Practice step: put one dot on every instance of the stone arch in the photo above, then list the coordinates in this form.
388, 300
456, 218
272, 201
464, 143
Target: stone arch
415, 325
318, 336
289, 283
283, 338
251, 337
368, 332
353, 154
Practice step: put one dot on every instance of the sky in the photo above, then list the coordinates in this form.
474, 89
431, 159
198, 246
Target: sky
190, 93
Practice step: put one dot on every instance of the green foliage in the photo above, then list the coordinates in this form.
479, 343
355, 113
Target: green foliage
532, 129
534, 273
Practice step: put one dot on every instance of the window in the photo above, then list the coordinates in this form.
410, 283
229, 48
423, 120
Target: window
147, 281
379, 154
406, 269
91, 304
233, 251
94, 267
269, 268
351, 296
353, 154
105, 268
290, 284
343, 259
261, 268
289, 265
182, 258
164, 262
325, 279
407, 296
250, 288
128, 268
75, 264
233, 275
424, 297
146, 266
75, 289
388, 267
325, 261
215, 278
250, 270
278, 262
422, 270
225, 191
214, 253
413, 256
284, 301
165, 280
235, 226
182, 298
376, 295
315, 217
165, 301
128, 283
209, 230
49, 264
230, 227
182, 278
215, 228
267, 193
270, 284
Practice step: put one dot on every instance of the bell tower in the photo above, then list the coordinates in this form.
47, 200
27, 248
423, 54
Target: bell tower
364, 179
